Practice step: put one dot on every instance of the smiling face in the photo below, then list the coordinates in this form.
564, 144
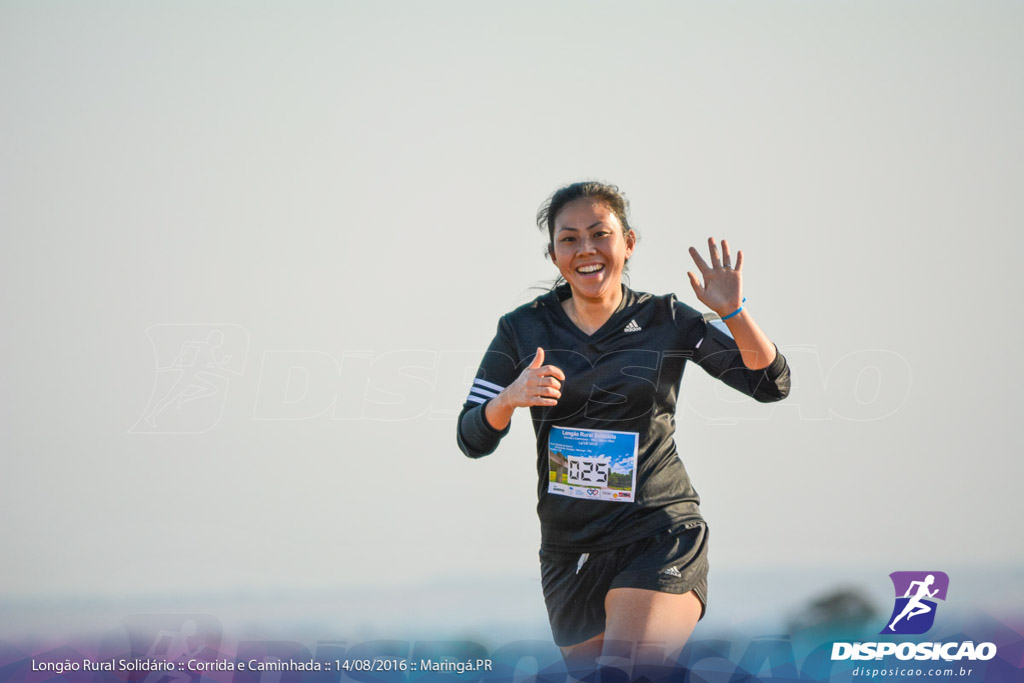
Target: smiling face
590, 249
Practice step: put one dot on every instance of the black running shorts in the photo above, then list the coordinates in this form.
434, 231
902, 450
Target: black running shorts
575, 585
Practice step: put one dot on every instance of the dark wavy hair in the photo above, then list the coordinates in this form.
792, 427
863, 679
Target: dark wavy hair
609, 195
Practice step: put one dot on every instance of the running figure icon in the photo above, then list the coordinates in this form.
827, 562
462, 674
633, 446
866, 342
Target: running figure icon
917, 594
194, 366
915, 606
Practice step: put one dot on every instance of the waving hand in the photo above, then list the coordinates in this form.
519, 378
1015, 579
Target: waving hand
722, 287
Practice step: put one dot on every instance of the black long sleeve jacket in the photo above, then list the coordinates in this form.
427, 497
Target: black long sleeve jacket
623, 378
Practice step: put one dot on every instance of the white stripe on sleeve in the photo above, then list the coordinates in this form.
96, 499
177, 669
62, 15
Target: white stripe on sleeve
487, 385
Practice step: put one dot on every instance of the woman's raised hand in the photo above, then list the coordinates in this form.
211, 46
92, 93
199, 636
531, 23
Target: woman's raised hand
722, 289
537, 385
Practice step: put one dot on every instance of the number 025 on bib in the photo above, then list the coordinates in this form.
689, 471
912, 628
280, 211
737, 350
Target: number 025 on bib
595, 464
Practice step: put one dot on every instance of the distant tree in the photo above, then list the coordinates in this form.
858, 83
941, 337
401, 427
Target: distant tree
619, 480
839, 608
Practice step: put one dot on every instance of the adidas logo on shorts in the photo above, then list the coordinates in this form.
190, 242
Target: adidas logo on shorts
672, 571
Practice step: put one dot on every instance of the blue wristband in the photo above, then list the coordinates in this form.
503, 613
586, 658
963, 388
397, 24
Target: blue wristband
726, 317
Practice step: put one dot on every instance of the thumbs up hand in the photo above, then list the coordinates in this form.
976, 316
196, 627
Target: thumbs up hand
537, 385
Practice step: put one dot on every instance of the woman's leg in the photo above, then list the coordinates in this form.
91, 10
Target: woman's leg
644, 628
649, 627
582, 657
643, 622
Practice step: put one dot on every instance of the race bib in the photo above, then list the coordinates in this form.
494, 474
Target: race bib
592, 463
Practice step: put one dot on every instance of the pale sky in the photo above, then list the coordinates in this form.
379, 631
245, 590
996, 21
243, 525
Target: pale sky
353, 186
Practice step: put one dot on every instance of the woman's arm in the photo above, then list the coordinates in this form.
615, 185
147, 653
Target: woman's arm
722, 292
500, 388
756, 349
537, 385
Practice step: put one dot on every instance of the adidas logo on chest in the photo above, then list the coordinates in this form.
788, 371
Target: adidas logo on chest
632, 327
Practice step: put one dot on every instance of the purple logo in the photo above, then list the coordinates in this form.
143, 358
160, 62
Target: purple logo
916, 593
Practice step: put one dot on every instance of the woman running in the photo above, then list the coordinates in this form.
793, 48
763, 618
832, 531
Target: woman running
623, 544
